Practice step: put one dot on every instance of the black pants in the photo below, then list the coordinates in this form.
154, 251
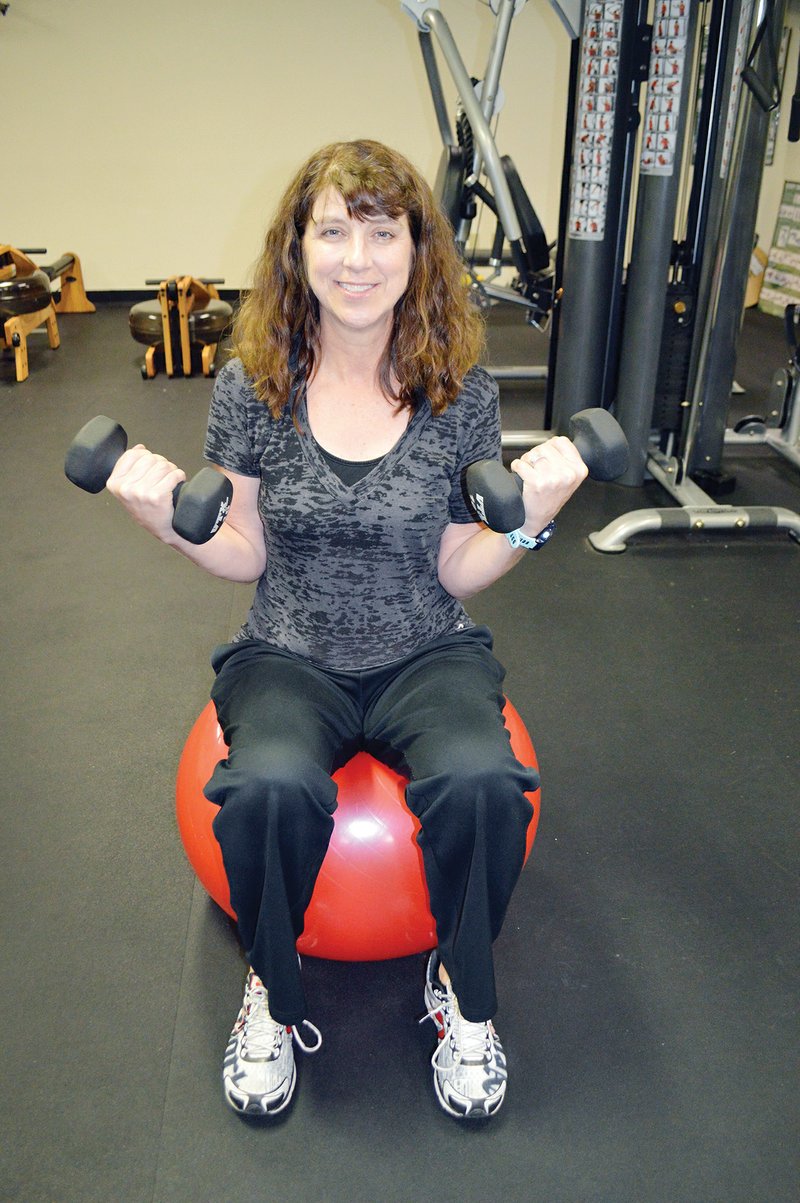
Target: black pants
436, 717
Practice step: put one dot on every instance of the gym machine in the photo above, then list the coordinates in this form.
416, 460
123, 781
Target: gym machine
470, 156
655, 339
779, 428
182, 327
658, 342
27, 299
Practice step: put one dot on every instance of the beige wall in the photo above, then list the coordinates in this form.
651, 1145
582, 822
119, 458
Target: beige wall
154, 137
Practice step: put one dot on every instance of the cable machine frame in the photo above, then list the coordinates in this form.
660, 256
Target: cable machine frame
534, 288
677, 466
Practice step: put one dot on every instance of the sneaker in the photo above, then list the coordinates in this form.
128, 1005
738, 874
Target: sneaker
469, 1065
259, 1073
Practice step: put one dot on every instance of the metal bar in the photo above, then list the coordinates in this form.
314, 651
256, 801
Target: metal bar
787, 450
494, 65
776, 441
648, 272
480, 129
668, 474
499, 292
563, 212
531, 372
695, 520
524, 438
435, 84
710, 123
696, 513
703, 438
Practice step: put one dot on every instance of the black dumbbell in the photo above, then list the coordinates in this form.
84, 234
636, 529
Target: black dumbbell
496, 494
201, 504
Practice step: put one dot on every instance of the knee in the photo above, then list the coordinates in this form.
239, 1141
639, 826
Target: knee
483, 767
490, 798
480, 787
270, 780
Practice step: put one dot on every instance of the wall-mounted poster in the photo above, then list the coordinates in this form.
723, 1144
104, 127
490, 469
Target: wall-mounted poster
781, 285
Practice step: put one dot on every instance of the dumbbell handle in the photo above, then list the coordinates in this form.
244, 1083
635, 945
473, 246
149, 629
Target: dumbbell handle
496, 494
201, 504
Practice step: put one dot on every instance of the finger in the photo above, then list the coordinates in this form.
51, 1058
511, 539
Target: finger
155, 485
532, 468
553, 450
557, 459
565, 449
132, 463
140, 465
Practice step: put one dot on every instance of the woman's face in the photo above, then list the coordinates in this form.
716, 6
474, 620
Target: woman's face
358, 270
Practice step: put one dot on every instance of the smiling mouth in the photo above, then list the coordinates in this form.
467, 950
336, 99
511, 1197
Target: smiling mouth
354, 288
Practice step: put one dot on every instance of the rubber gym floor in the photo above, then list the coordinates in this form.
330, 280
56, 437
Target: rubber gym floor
648, 966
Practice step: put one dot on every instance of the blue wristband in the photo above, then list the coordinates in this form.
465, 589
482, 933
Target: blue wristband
517, 539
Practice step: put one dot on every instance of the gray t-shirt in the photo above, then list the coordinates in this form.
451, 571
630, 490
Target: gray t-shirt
351, 577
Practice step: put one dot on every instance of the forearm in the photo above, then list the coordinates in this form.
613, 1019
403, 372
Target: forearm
144, 484
477, 562
229, 555
472, 557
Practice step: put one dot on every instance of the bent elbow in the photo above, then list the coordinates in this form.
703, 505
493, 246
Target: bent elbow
457, 589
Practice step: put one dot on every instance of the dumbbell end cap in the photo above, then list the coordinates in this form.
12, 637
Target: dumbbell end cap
92, 454
78, 470
202, 505
601, 442
495, 495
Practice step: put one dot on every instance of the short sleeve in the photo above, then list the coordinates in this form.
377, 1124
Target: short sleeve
230, 441
479, 435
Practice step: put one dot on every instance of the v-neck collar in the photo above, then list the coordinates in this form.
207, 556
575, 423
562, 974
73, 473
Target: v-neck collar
326, 474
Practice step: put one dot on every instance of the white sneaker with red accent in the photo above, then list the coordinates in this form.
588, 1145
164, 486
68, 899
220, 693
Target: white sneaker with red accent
259, 1073
469, 1065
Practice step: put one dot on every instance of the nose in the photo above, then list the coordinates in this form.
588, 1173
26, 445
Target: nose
356, 252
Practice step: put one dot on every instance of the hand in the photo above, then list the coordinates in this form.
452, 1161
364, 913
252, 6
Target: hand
550, 474
144, 483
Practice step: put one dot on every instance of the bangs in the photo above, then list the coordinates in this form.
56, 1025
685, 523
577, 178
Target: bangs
374, 194
371, 181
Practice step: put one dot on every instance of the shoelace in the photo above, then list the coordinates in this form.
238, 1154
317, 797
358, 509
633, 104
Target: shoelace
264, 1034
472, 1042
298, 1039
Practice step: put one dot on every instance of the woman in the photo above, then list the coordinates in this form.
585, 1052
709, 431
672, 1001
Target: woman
345, 423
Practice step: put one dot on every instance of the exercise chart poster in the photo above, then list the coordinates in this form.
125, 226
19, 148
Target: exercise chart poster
665, 84
781, 285
597, 101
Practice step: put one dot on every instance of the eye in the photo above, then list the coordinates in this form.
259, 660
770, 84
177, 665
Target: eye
330, 232
384, 235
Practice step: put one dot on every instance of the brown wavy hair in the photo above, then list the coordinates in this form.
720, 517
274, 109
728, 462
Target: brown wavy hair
437, 333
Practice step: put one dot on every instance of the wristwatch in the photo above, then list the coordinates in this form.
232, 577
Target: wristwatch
517, 539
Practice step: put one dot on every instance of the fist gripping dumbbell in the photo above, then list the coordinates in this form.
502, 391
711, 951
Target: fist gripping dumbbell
496, 494
201, 504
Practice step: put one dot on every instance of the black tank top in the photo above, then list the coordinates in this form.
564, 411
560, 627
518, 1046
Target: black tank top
349, 470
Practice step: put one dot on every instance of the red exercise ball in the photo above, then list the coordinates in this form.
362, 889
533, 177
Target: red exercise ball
370, 901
